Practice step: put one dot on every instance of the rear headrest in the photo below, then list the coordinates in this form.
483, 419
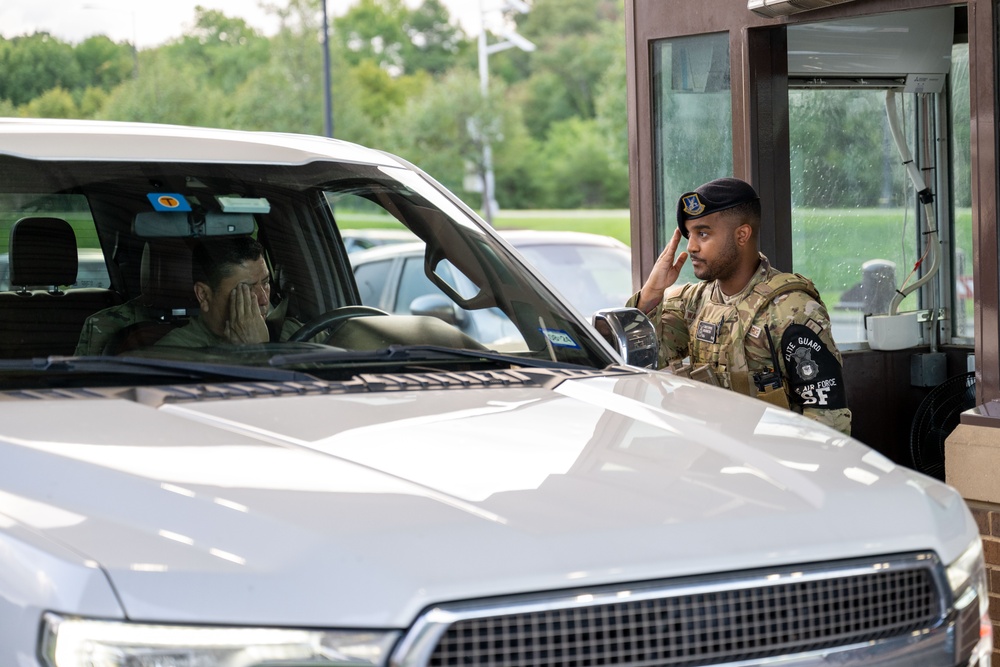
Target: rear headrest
166, 275
42, 252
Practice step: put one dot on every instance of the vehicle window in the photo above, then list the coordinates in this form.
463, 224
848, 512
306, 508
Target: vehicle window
371, 279
162, 216
857, 229
847, 176
591, 277
961, 151
692, 121
92, 269
413, 282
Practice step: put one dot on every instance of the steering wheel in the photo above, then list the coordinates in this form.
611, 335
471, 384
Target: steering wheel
331, 320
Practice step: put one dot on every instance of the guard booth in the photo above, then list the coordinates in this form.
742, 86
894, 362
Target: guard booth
869, 129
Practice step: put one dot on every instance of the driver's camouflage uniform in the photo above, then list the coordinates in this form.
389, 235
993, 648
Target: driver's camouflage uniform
196, 334
100, 328
730, 340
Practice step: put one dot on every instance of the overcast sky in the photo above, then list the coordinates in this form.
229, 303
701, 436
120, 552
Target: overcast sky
150, 22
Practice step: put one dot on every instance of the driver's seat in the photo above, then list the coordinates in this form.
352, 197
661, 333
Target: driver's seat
167, 297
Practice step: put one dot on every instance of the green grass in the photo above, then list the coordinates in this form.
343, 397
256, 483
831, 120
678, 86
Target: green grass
614, 223
830, 245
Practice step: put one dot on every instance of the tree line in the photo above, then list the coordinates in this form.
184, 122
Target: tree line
402, 79
405, 79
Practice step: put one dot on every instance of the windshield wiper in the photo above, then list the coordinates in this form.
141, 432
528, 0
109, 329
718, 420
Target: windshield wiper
147, 366
412, 354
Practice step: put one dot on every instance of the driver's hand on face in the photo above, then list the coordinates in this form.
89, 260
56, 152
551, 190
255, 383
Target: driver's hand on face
246, 324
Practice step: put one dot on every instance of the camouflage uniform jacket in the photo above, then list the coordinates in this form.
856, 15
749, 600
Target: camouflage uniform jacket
100, 328
197, 334
696, 321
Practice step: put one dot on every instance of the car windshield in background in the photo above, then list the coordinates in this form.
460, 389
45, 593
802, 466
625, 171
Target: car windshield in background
591, 271
138, 221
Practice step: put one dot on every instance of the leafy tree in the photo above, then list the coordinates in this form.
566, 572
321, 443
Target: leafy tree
434, 41
53, 103
379, 93
444, 128
581, 169
103, 63
33, 64
403, 78
828, 154
166, 92
399, 39
520, 173
574, 40
611, 108
565, 18
286, 93
373, 30
91, 101
225, 48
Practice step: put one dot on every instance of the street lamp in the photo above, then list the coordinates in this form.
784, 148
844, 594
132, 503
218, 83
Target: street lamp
510, 40
328, 101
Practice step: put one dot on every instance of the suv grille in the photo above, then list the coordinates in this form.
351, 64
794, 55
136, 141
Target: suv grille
704, 623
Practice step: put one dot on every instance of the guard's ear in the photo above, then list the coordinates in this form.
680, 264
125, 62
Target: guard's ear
743, 234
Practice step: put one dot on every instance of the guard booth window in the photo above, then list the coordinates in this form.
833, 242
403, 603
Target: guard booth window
692, 121
862, 144
853, 217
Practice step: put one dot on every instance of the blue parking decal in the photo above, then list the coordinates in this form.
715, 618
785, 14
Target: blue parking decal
559, 338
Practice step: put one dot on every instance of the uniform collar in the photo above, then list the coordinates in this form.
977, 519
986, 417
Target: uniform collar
759, 276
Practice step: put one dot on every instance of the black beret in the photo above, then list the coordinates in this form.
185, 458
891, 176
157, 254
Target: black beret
712, 197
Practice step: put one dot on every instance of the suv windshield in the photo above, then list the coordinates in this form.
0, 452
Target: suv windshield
143, 222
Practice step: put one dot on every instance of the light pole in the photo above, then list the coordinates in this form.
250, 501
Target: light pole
510, 39
327, 99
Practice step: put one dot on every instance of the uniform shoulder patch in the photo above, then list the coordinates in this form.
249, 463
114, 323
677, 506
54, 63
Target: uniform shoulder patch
815, 377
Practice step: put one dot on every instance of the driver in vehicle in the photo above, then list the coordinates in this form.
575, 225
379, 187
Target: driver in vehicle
233, 287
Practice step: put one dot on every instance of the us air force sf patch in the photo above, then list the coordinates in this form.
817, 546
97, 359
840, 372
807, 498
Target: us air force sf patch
815, 377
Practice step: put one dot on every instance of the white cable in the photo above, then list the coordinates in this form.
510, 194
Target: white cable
918, 183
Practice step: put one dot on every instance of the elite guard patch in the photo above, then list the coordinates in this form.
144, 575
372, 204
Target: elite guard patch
693, 205
814, 375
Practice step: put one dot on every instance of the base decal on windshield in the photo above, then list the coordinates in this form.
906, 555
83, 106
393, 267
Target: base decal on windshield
168, 201
559, 338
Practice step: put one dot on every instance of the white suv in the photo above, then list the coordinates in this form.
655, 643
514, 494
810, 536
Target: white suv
382, 489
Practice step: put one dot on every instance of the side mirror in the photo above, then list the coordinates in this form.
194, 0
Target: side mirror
630, 333
439, 306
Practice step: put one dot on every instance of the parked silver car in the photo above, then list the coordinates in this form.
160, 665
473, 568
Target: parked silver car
592, 271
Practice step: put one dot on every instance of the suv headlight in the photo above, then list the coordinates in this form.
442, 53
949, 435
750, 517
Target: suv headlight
974, 630
77, 642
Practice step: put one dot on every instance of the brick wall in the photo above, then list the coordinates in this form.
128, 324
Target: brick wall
987, 517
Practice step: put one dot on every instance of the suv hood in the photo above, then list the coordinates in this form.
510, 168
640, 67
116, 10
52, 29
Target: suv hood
366, 507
